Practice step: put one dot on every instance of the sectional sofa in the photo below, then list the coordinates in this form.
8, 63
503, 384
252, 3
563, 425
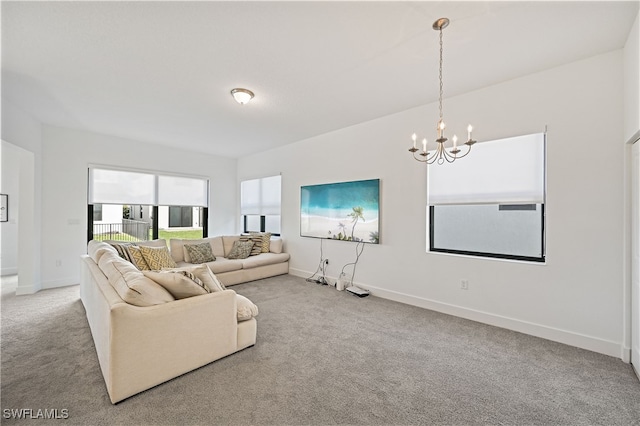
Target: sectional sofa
144, 335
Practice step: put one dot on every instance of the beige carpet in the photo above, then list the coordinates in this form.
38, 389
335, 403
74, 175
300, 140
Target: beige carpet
322, 357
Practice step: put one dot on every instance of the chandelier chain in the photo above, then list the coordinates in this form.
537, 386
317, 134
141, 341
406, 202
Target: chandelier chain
441, 85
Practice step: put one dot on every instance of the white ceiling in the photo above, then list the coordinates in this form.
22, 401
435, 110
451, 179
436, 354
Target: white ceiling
161, 71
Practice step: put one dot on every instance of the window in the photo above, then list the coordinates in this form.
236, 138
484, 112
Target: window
260, 204
97, 212
148, 205
491, 204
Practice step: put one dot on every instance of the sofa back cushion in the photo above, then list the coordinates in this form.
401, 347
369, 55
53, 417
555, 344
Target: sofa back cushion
95, 249
181, 284
227, 242
177, 247
130, 283
275, 245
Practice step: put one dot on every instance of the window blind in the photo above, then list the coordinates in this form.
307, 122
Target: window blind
505, 171
110, 186
260, 196
121, 187
182, 191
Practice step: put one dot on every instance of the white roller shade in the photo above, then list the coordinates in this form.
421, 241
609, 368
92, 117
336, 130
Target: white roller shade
505, 171
250, 196
120, 187
260, 196
182, 191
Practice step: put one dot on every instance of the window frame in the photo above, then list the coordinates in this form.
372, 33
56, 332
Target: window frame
502, 206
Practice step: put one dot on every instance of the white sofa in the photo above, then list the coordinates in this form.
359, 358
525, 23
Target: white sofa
140, 347
235, 271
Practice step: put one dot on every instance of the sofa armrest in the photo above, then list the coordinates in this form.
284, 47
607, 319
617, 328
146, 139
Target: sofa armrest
150, 345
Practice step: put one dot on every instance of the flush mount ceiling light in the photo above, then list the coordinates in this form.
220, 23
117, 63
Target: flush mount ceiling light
242, 96
440, 154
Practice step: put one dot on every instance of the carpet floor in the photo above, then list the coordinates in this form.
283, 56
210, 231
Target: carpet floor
322, 357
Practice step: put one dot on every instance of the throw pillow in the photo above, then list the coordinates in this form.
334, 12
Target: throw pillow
246, 308
204, 273
257, 243
198, 253
137, 258
130, 284
157, 257
266, 240
121, 248
240, 250
181, 284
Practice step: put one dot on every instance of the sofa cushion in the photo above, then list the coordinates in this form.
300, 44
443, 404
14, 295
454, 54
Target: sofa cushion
181, 284
264, 259
204, 273
95, 249
240, 250
246, 308
275, 245
265, 240
198, 253
224, 265
227, 243
256, 240
130, 284
157, 257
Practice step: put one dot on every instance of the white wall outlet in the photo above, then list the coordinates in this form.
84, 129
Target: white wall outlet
58, 262
464, 284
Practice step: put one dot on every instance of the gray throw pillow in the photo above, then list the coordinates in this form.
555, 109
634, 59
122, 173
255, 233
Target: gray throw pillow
240, 250
200, 253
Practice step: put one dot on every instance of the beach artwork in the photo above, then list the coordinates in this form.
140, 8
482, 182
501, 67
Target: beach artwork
345, 211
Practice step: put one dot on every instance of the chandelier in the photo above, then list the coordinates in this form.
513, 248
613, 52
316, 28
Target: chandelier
440, 154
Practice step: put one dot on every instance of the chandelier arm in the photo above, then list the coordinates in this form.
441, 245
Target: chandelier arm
417, 157
466, 153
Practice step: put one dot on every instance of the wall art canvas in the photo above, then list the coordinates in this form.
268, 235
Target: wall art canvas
344, 211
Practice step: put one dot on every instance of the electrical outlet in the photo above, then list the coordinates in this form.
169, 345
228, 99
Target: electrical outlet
464, 284
58, 262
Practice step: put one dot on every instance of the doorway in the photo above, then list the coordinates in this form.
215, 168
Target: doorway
635, 257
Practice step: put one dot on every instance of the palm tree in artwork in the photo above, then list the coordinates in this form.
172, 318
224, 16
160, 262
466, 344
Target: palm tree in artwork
355, 215
342, 228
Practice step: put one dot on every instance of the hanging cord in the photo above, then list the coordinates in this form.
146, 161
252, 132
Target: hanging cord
359, 246
321, 265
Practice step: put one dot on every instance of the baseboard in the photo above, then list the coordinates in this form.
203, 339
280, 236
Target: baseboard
582, 341
64, 282
625, 354
9, 271
23, 290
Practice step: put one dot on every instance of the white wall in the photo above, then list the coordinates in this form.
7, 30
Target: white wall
632, 81
25, 132
9, 185
66, 157
576, 297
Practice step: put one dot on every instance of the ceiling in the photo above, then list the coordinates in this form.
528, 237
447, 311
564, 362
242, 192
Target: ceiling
162, 72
